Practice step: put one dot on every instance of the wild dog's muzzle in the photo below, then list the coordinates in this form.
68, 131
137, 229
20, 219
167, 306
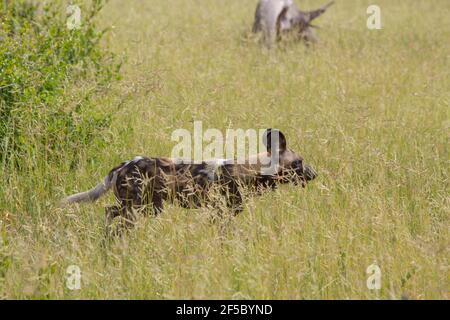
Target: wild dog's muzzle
302, 172
309, 173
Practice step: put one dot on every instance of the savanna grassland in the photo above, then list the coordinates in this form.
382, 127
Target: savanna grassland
369, 109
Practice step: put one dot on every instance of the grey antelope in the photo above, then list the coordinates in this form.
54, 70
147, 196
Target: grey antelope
275, 17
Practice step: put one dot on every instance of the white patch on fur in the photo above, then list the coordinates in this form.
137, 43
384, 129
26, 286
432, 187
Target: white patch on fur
213, 165
181, 161
136, 159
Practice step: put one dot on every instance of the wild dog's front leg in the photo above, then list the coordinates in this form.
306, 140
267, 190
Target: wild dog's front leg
235, 204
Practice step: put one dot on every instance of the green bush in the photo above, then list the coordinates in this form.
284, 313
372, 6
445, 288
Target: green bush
41, 60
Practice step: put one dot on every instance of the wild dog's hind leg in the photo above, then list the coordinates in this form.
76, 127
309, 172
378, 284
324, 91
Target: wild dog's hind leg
129, 194
127, 217
111, 212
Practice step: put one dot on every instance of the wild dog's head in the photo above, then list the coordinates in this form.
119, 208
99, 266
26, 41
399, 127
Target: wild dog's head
289, 167
302, 21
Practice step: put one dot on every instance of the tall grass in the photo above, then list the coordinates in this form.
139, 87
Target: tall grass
368, 109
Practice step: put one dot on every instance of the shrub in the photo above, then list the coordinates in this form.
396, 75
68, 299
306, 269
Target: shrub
40, 61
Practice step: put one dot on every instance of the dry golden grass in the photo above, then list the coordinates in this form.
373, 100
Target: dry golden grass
368, 109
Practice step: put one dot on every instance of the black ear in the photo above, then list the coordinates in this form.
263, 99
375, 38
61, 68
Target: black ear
274, 138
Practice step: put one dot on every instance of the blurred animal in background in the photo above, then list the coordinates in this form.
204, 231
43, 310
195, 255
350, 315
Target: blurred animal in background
275, 17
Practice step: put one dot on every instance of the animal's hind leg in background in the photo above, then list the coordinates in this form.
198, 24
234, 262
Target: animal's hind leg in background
268, 16
280, 18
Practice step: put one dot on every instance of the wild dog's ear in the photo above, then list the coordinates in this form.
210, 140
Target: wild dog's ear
274, 138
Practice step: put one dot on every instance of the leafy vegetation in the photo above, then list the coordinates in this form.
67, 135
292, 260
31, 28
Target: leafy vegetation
40, 58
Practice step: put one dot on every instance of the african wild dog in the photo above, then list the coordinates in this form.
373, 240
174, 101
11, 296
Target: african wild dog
274, 17
143, 184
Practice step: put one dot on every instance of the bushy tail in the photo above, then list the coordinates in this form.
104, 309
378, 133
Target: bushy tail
90, 195
315, 13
